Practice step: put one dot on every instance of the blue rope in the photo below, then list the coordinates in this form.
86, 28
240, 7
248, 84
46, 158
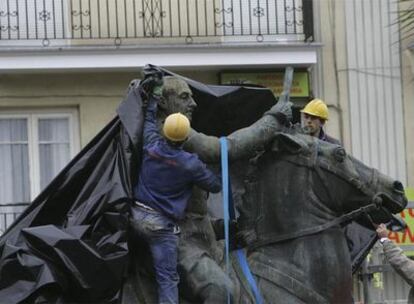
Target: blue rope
228, 212
249, 276
225, 192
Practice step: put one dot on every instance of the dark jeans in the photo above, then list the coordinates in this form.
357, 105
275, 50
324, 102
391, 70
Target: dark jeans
161, 233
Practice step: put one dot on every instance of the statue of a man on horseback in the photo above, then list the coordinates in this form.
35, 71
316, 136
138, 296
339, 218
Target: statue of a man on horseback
72, 244
198, 259
279, 223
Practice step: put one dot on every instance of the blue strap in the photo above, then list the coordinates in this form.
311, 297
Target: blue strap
225, 193
228, 212
232, 213
249, 276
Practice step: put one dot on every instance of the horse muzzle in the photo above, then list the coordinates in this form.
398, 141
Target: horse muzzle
393, 198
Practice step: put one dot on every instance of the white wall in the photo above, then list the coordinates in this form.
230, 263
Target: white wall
375, 92
360, 76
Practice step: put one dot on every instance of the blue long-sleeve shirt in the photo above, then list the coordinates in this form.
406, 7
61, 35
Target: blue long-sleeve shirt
168, 173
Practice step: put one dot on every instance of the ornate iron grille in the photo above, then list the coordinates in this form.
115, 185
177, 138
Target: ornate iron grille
9, 213
142, 21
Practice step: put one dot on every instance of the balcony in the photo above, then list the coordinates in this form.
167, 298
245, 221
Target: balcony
9, 213
120, 23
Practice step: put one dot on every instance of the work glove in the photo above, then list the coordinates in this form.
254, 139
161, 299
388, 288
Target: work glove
282, 111
152, 83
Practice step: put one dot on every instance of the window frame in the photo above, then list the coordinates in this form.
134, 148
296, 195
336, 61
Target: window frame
33, 116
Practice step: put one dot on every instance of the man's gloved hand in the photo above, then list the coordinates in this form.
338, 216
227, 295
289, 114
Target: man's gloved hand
282, 111
152, 83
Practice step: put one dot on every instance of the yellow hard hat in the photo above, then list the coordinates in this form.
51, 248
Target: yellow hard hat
176, 127
317, 107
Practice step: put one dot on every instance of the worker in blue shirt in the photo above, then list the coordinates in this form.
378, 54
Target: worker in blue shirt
164, 187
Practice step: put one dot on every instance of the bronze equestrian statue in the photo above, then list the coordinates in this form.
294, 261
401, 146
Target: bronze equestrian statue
297, 191
71, 244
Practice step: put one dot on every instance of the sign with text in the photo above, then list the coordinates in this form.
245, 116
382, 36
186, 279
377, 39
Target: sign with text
271, 80
405, 239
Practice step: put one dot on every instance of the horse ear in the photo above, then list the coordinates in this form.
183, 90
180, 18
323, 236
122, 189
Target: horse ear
287, 142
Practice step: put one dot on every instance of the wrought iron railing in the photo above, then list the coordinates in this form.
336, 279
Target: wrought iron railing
54, 22
9, 213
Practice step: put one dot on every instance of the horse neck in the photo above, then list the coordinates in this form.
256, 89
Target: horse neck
332, 191
288, 196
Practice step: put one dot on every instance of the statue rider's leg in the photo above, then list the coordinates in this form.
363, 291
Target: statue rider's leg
201, 278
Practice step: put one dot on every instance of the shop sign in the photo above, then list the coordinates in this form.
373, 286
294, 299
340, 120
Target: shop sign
405, 239
271, 80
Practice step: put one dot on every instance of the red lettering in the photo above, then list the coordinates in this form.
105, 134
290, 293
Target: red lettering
408, 233
394, 236
410, 212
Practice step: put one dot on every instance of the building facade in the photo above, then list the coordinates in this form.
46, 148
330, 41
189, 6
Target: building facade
71, 61
65, 65
365, 72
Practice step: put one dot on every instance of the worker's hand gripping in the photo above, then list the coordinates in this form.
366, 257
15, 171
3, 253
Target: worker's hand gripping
152, 83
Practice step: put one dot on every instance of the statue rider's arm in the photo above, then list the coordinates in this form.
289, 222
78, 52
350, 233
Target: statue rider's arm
242, 143
245, 142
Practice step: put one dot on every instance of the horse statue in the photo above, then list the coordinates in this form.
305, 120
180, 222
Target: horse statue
298, 192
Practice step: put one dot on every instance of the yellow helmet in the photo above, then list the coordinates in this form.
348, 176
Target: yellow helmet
176, 127
317, 107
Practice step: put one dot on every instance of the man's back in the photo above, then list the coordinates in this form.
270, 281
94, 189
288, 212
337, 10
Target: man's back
167, 177
168, 172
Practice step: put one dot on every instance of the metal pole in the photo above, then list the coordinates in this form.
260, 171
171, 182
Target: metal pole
366, 278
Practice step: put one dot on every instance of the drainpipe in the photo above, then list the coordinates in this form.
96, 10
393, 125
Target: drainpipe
366, 280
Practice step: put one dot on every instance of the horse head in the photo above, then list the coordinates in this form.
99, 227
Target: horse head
346, 183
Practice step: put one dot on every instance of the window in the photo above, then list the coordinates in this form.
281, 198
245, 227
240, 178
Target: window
34, 147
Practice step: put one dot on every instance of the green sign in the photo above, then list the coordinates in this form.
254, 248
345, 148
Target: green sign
405, 239
409, 192
271, 80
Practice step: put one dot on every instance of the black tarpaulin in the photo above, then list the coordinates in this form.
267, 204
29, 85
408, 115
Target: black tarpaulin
70, 244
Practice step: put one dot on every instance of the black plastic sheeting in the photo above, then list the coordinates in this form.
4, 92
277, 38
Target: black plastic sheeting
70, 244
